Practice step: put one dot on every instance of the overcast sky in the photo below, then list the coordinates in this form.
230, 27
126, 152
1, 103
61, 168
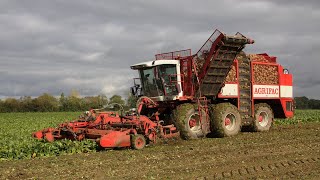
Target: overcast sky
54, 46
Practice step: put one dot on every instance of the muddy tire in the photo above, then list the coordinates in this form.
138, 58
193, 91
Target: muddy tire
138, 142
225, 120
263, 117
187, 121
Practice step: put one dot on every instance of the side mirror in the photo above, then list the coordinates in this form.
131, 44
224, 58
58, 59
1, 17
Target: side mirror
133, 91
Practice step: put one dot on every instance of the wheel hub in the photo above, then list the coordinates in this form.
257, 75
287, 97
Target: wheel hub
139, 142
227, 121
260, 118
263, 119
194, 122
230, 122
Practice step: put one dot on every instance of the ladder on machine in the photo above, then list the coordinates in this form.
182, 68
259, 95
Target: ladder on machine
203, 111
245, 100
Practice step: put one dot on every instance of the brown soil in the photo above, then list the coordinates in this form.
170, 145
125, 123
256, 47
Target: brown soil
286, 152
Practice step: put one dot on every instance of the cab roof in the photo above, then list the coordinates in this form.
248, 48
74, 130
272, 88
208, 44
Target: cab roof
154, 63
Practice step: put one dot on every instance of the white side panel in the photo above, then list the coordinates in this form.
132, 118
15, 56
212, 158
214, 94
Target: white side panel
286, 91
266, 91
179, 80
229, 90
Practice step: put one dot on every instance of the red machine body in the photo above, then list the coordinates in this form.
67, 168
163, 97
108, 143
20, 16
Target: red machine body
279, 94
178, 78
110, 130
194, 70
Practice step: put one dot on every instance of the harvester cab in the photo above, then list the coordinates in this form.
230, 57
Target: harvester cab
181, 76
160, 79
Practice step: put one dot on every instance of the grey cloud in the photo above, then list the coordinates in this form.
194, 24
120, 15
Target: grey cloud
56, 46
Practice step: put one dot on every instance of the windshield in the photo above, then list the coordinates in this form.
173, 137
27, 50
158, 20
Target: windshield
159, 80
149, 82
168, 75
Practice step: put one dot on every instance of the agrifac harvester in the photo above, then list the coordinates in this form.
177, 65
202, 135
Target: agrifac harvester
218, 90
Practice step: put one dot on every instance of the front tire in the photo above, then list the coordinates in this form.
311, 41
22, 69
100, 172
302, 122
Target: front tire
138, 142
225, 120
188, 122
263, 117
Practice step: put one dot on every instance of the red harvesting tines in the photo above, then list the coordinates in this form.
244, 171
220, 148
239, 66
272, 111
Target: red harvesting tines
110, 130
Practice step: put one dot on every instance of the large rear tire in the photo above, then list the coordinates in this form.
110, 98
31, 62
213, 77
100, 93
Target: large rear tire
263, 117
187, 120
225, 120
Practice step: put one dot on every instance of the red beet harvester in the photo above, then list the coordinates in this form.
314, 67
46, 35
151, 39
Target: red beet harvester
187, 95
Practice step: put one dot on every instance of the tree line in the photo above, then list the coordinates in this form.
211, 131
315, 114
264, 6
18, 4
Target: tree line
73, 102
306, 103
48, 103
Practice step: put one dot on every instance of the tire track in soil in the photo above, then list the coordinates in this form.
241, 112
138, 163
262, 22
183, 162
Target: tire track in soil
256, 170
276, 162
255, 154
280, 150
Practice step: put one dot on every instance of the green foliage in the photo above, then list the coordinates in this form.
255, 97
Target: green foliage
27, 104
1, 106
16, 129
95, 102
62, 103
301, 116
16, 141
132, 101
11, 105
48, 103
73, 104
116, 99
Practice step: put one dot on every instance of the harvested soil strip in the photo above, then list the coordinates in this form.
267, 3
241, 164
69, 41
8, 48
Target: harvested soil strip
255, 170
